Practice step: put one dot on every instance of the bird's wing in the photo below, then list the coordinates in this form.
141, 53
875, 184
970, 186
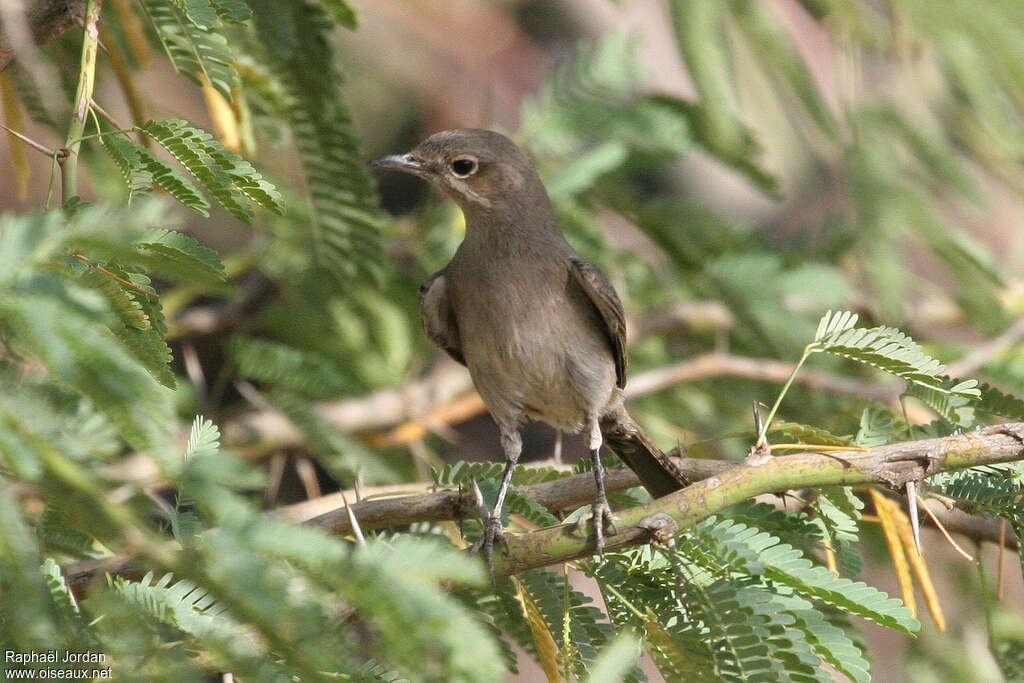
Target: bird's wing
601, 293
436, 314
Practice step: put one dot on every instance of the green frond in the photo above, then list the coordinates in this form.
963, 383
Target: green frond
462, 473
997, 403
876, 427
141, 168
700, 32
33, 625
839, 512
589, 632
36, 326
346, 221
308, 373
121, 299
67, 613
190, 261
228, 177
957, 409
203, 439
195, 52
521, 504
762, 555
180, 604
234, 11
795, 527
885, 348
616, 660
830, 642
200, 12
57, 535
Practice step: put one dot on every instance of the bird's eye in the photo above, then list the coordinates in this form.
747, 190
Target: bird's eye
463, 166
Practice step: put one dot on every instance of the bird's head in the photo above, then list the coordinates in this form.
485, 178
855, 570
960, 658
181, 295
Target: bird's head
480, 169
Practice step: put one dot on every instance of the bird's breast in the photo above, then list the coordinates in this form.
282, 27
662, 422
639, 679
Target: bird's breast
531, 345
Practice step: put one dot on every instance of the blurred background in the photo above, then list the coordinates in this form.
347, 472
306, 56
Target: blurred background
737, 168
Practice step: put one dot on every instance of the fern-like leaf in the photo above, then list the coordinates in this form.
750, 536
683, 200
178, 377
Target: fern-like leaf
996, 402
195, 52
185, 256
229, 178
346, 220
885, 348
141, 168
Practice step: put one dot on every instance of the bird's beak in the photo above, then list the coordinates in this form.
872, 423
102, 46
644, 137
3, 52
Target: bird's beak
406, 163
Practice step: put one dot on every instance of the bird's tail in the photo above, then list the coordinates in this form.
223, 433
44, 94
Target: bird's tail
659, 475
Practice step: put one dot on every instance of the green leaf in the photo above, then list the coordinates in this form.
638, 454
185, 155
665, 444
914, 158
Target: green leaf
346, 221
199, 12
235, 11
179, 253
885, 348
229, 178
140, 168
196, 53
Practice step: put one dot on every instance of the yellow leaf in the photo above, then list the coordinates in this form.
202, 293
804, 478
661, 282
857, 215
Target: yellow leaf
547, 650
884, 509
920, 567
12, 115
134, 31
223, 116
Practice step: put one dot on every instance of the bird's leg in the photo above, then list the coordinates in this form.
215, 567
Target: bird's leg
600, 510
512, 444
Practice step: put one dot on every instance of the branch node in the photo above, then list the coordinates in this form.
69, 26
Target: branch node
661, 526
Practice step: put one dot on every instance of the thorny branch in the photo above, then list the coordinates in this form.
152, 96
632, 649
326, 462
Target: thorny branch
719, 484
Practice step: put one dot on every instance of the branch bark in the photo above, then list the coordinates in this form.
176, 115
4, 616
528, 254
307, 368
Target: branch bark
719, 484
893, 465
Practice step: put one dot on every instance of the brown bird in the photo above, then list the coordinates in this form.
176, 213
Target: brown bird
540, 328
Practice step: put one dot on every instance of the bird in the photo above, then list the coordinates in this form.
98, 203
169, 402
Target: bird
540, 328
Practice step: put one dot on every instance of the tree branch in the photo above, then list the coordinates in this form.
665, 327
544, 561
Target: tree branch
719, 484
893, 465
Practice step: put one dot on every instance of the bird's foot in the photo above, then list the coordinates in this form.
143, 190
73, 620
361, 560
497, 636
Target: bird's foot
492, 532
601, 514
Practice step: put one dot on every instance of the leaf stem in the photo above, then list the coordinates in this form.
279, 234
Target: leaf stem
785, 388
83, 94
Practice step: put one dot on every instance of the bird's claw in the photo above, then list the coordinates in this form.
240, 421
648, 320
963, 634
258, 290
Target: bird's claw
601, 514
492, 532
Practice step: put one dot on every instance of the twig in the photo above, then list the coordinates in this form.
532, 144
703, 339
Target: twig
987, 350
126, 283
30, 142
956, 546
266, 430
353, 521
